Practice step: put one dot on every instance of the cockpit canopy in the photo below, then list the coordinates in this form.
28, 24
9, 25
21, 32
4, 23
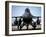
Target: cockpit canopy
27, 10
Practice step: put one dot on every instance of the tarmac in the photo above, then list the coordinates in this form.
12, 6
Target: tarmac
38, 27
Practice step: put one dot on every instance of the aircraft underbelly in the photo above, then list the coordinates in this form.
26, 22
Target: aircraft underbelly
27, 20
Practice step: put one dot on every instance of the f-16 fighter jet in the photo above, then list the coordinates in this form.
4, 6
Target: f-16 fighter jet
27, 18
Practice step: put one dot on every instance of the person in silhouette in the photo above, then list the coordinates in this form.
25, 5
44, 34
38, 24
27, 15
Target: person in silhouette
15, 22
34, 25
38, 21
20, 23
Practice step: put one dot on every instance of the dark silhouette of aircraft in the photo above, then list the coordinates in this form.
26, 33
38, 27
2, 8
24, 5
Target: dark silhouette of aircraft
27, 18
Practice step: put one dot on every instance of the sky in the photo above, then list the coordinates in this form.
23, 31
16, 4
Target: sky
20, 10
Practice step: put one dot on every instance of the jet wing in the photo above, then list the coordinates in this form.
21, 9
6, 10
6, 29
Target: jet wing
36, 16
17, 17
25, 17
